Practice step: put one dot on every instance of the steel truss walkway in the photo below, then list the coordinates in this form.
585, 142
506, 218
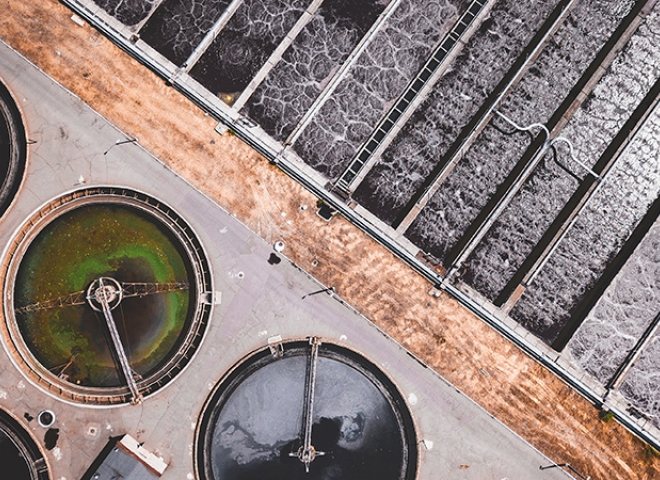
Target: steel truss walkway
409, 94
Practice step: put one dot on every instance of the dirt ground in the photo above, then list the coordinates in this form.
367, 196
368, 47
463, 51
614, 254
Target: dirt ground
511, 386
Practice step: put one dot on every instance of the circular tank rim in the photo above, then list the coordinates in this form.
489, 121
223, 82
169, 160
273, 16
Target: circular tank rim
11, 185
104, 397
24, 441
210, 409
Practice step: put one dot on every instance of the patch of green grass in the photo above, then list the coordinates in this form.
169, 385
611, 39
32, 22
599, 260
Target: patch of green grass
606, 415
651, 452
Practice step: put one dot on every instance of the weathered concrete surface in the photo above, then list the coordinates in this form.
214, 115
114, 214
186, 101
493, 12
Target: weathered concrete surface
512, 387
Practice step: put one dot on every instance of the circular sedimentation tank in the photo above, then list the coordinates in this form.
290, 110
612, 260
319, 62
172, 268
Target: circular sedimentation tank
105, 295
312, 411
20, 457
12, 148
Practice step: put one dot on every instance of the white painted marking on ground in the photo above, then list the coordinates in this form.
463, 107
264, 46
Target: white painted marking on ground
240, 274
428, 444
412, 399
217, 297
77, 20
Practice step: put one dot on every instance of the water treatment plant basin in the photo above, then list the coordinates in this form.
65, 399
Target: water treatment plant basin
20, 457
12, 148
107, 288
306, 410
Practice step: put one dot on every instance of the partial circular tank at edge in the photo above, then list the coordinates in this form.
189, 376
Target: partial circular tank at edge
12, 148
254, 426
20, 456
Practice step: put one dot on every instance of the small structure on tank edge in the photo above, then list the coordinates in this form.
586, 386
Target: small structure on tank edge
125, 459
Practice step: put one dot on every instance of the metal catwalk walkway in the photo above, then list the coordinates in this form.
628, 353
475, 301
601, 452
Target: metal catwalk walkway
410, 93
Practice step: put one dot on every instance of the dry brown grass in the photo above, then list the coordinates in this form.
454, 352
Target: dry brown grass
511, 386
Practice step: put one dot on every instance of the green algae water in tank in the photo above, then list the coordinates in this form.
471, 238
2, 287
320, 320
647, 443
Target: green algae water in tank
107, 292
315, 412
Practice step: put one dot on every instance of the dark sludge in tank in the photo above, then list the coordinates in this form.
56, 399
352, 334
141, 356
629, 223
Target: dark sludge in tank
106, 295
12, 148
19, 455
320, 412
128, 12
13, 462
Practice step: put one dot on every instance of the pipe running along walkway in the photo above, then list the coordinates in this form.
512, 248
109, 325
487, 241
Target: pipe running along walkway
483, 116
587, 189
545, 137
512, 185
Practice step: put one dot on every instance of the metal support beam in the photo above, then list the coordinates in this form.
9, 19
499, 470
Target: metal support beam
76, 298
620, 375
417, 88
148, 17
119, 347
307, 453
144, 289
472, 130
276, 56
342, 72
79, 298
211, 35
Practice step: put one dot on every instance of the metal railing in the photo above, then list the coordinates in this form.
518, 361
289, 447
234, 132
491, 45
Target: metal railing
565, 466
409, 94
